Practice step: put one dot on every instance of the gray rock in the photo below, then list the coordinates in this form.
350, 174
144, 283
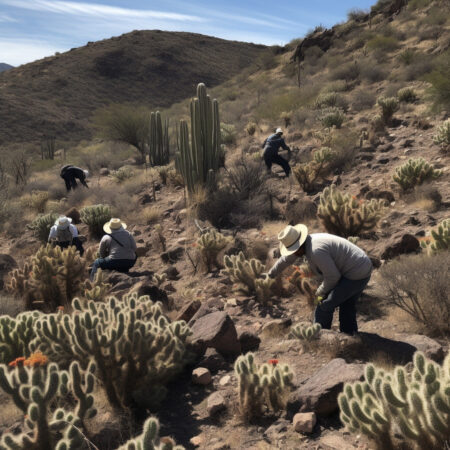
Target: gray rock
249, 341
428, 346
276, 327
189, 310
396, 246
202, 376
213, 360
215, 403
104, 172
173, 254
304, 422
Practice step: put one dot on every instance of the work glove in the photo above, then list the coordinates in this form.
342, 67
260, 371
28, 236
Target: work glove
318, 300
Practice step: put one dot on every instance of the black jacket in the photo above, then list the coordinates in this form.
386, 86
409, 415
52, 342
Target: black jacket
273, 143
70, 171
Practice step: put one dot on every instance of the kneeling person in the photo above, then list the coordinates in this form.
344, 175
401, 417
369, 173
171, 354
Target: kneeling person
117, 248
64, 234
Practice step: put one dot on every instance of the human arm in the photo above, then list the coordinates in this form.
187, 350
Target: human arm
331, 275
52, 234
281, 264
284, 146
264, 143
73, 230
104, 246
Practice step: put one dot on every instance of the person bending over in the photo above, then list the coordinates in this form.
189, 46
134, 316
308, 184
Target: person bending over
271, 146
64, 234
70, 174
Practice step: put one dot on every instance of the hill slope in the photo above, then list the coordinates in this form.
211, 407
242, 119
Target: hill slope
58, 94
4, 66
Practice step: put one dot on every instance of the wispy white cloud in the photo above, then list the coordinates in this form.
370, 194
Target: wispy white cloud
97, 10
17, 51
7, 18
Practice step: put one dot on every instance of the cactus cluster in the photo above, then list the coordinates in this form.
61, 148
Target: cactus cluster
96, 290
122, 174
158, 141
306, 332
388, 105
440, 238
150, 440
308, 174
198, 160
95, 216
37, 391
137, 350
42, 224
305, 282
344, 215
442, 136
248, 275
158, 279
332, 117
415, 172
392, 406
210, 244
261, 386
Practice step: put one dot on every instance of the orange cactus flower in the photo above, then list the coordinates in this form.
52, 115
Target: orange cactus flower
36, 359
17, 362
425, 239
60, 308
274, 362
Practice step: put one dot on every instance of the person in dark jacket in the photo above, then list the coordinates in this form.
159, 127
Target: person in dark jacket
271, 146
70, 173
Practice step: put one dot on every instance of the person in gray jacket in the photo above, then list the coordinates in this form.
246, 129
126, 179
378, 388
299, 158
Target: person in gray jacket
345, 268
117, 249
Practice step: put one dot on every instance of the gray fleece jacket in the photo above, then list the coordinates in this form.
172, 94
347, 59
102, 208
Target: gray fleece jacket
109, 247
332, 257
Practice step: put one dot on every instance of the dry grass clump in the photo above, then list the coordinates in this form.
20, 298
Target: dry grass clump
420, 285
151, 215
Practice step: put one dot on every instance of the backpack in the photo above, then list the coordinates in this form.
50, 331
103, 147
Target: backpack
64, 235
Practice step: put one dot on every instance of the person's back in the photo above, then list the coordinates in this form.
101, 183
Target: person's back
274, 142
119, 244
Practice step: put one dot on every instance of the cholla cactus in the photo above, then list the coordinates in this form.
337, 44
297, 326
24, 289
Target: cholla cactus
344, 215
248, 274
332, 117
388, 107
16, 335
18, 280
305, 282
137, 350
37, 390
306, 332
122, 174
210, 244
440, 238
158, 279
407, 95
414, 407
96, 290
442, 136
150, 440
95, 217
415, 172
261, 386
42, 224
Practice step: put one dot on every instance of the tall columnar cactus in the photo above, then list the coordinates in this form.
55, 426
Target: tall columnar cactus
16, 335
158, 141
306, 332
442, 136
414, 173
210, 244
415, 407
137, 350
150, 440
95, 216
261, 386
42, 224
38, 391
248, 274
344, 215
198, 161
440, 238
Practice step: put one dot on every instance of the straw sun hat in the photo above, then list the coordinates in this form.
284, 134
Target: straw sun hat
114, 225
292, 238
63, 222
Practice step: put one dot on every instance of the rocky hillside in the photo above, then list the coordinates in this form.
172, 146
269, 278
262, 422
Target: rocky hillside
4, 66
57, 95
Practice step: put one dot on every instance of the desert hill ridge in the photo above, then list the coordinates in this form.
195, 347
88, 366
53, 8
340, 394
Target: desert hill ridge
5, 66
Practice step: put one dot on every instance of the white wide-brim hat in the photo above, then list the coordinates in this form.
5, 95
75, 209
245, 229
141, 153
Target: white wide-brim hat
279, 130
292, 238
114, 225
63, 222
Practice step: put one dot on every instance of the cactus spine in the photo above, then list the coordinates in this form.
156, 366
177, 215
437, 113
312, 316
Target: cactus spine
441, 238
414, 173
210, 244
261, 386
344, 215
417, 405
158, 140
198, 161
248, 274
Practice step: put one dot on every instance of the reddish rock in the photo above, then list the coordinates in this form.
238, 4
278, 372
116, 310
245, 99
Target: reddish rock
189, 310
396, 246
201, 375
215, 403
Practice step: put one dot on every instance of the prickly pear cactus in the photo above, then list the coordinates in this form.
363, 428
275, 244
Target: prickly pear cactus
262, 386
398, 409
414, 173
210, 244
248, 276
440, 238
344, 215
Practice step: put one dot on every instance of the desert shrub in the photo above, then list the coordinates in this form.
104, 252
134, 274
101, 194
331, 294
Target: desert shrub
331, 99
227, 133
258, 249
151, 215
440, 81
421, 65
134, 330
373, 72
362, 100
348, 72
95, 217
439, 239
37, 201
408, 56
442, 136
335, 86
407, 95
248, 276
251, 128
345, 215
400, 408
357, 14
428, 301
42, 224
261, 386
383, 43
418, 4
246, 177
122, 174
300, 211
332, 117
415, 172
388, 105
210, 244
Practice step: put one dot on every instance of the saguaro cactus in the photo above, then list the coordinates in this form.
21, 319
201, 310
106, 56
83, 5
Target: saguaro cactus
198, 161
158, 142
440, 238
344, 215
415, 407
414, 173
261, 386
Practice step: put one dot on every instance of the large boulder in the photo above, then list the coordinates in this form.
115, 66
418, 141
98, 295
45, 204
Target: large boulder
7, 263
216, 330
428, 346
400, 245
319, 393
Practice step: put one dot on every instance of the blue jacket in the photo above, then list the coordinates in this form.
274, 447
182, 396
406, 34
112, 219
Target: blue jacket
273, 143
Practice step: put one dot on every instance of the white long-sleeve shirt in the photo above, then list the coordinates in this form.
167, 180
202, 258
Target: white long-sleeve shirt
332, 257
54, 231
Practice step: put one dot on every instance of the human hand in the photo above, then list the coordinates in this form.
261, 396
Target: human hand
318, 300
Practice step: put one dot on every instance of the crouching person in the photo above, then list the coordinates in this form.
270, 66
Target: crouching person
117, 249
64, 234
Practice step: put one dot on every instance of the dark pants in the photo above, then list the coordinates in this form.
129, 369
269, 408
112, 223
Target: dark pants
76, 242
344, 295
71, 182
274, 158
121, 265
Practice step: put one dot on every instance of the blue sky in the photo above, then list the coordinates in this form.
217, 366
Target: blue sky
32, 29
